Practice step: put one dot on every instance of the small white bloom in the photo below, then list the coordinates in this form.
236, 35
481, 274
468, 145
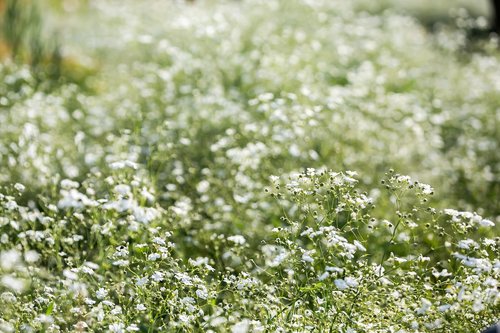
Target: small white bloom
444, 307
14, 283
159, 241
274, 178
184, 278
478, 305
122, 189
487, 223
426, 189
467, 244
121, 262
154, 256
117, 310
140, 307
117, 328
241, 327
89, 301
31, 256
341, 284
101, 293
70, 275
108, 303
359, 246
306, 257
8, 297
10, 259
203, 186
68, 184
19, 187
217, 321
324, 276
237, 239
157, 276
80, 326
202, 293
351, 282
11, 205
123, 164
132, 328
141, 281
426, 304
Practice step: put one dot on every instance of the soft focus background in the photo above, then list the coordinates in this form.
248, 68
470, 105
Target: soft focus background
411, 85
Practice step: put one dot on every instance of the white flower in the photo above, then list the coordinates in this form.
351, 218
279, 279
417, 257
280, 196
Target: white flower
306, 257
426, 189
89, 301
467, 244
217, 321
157, 276
123, 164
132, 328
184, 318
140, 307
478, 305
324, 276
117, 328
443, 273
6, 327
19, 187
241, 327
11, 205
184, 278
237, 239
359, 246
159, 241
141, 281
341, 284
8, 297
31, 256
145, 214
426, 304
487, 223
10, 259
14, 283
122, 189
334, 269
117, 310
69, 184
80, 326
274, 178
351, 282
154, 256
444, 307
199, 261
201, 292
101, 293
121, 262
70, 275
203, 186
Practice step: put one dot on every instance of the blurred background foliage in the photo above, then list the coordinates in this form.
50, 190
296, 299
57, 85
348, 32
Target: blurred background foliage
32, 31
30, 35
53, 38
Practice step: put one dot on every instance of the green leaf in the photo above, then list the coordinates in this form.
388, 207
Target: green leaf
50, 308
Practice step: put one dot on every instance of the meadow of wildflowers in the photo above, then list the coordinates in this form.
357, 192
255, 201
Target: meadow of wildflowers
250, 166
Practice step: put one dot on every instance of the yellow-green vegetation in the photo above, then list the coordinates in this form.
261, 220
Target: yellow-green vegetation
249, 166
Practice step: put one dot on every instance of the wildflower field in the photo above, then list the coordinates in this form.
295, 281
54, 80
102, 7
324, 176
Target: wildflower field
249, 166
